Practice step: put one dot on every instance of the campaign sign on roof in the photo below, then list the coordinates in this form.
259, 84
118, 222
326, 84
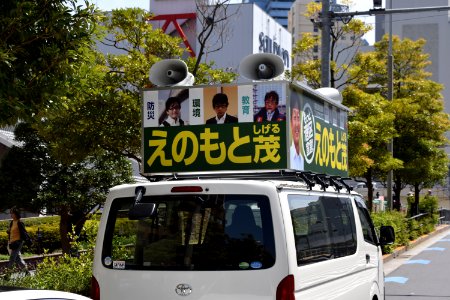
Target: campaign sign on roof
258, 126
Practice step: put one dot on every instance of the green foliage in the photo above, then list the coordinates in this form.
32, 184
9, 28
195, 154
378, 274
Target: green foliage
429, 204
406, 230
207, 74
66, 273
397, 221
32, 222
307, 66
38, 42
414, 229
371, 126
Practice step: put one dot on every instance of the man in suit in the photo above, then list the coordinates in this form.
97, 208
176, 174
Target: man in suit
270, 110
220, 106
297, 161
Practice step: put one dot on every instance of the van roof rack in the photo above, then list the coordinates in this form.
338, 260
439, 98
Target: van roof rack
307, 177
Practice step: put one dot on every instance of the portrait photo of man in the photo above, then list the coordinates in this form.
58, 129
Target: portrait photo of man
220, 106
270, 111
296, 158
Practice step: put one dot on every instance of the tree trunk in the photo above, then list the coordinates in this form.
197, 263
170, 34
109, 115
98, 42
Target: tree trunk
77, 220
397, 190
415, 205
64, 225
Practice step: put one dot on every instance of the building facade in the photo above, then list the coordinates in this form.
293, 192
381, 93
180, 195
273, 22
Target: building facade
279, 10
249, 30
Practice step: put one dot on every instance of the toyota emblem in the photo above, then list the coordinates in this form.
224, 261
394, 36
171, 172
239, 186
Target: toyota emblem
183, 289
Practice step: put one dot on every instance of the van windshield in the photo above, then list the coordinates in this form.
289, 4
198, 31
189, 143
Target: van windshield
191, 232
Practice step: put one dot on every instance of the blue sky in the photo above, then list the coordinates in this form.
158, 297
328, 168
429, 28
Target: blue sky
358, 5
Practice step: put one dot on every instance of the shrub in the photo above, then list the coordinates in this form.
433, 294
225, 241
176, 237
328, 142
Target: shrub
65, 273
397, 221
48, 239
409, 229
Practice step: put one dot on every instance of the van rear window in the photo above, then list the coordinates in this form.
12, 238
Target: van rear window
191, 232
324, 227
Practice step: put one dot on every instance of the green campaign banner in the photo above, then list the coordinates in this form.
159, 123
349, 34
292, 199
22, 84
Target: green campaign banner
243, 146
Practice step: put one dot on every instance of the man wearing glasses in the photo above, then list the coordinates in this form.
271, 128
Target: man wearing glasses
173, 107
270, 110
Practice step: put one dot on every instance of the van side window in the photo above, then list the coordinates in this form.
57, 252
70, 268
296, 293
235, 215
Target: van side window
324, 227
366, 222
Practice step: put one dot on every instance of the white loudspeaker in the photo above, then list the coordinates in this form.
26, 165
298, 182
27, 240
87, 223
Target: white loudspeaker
171, 72
261, 66
332, 93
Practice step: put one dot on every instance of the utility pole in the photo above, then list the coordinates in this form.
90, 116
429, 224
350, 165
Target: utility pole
390, 97
326, 41
327, 17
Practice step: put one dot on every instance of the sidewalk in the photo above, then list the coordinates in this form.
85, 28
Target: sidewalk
400, 254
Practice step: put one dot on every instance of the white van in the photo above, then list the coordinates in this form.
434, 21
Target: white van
275, 236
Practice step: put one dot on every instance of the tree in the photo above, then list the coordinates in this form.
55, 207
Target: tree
420, 121
101, 109
370, 127
417, 101
68, 190
371, 122
346, 39
71, 191
38, 42
20, 175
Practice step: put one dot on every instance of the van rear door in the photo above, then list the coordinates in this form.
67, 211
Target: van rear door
205, 244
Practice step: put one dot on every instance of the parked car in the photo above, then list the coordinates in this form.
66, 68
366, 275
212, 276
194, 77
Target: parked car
14, 293
378, 189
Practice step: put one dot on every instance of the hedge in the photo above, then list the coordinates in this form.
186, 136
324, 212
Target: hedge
49, 239
409, 229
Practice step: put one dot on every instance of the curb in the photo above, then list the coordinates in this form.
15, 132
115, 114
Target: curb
400, 250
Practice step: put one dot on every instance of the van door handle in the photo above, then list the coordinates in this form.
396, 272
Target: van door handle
367, 258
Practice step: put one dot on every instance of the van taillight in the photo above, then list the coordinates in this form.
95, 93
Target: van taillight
285, 289
95, 289
186, 189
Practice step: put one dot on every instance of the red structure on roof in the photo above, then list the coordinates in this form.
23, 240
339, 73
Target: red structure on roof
174, 19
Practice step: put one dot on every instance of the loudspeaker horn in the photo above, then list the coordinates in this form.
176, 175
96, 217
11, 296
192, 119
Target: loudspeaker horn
261, 66
171, 72
332, 93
